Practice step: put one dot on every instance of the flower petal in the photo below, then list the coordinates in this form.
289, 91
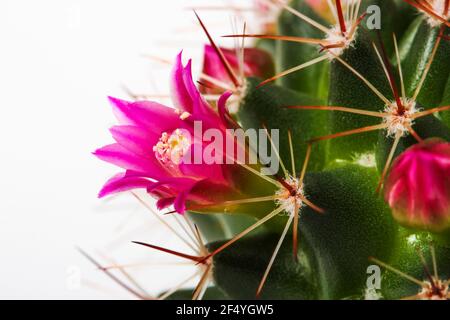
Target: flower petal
199, 105
213, 67
257, 63
185, 94
180, 96
121, 157
222, 106
121, 182
201, 170
163, 203
150, 115
135, 139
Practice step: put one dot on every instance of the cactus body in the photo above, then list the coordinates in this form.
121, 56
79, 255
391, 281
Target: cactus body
335, 248
388, 96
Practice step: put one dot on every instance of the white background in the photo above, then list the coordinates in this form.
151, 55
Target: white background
59, 60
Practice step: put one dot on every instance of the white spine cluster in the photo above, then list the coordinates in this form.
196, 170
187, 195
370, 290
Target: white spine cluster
399, 122
289, 201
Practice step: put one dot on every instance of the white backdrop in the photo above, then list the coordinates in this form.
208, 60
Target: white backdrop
59, 59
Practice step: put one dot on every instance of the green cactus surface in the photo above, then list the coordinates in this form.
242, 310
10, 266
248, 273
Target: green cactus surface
356, 228
361, 92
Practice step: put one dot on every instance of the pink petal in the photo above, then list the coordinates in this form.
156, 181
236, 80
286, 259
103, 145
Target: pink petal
150, 115
199, 105
121, 157
121, 182
180, 202
180, 96
222, 106
257, 63
212, 66
185, 94
135, 139
164, 203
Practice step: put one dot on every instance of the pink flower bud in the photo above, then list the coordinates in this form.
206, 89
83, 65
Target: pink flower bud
418, 186
256, 63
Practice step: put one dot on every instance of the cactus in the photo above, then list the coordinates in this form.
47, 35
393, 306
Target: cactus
362, 122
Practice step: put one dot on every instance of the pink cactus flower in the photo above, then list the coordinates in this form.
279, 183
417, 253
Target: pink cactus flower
418, 187
153, 140
256, 63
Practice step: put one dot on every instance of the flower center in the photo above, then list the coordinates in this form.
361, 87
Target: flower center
399, 120
437, 292
291, 195
171, 149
